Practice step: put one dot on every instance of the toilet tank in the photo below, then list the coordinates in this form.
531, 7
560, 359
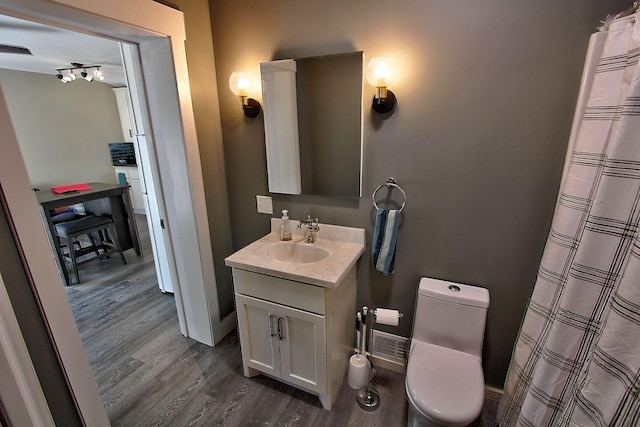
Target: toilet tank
451, 315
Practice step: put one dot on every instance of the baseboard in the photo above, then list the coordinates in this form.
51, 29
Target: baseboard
493, 393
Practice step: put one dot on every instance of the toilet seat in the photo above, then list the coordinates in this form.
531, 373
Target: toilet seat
446, 386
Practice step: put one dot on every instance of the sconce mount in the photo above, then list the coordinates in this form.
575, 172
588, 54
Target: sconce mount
384, 105
251, 108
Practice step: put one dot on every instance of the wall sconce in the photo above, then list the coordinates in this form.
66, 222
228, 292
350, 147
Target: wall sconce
66, 75
380, 72
240, 83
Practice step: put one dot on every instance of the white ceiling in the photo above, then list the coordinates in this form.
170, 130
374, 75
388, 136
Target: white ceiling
52, 48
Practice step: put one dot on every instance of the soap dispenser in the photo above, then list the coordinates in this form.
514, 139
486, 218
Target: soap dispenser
285, 231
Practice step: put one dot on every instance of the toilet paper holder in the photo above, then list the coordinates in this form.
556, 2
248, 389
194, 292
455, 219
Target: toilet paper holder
386, 316
383, 316
367, 397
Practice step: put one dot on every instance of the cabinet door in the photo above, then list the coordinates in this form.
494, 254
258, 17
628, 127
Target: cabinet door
258, 326
303, 349
124, 110
136, 195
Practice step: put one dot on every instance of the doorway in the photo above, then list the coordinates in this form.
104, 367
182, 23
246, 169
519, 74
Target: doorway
159, 32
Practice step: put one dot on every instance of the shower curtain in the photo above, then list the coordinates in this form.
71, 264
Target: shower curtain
577, 358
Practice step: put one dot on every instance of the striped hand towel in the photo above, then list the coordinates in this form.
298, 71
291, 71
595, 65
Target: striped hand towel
385, 235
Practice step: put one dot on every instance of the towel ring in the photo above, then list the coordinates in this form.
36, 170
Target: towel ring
391, 182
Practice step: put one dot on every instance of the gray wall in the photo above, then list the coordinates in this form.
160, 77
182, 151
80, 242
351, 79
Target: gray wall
486, 96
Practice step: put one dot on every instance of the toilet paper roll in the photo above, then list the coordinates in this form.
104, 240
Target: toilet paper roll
358, 371
385, 316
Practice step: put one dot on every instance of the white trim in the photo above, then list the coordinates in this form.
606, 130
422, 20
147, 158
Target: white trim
162, 245
20, 390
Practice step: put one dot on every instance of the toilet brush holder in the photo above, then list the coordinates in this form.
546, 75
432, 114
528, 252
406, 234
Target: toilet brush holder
368, 398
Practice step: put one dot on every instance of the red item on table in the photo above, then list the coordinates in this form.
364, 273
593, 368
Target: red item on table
72, 188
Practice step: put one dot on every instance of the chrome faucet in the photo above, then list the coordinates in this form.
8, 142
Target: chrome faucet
311, 226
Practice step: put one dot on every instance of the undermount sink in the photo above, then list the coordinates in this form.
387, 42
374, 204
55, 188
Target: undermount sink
299, 253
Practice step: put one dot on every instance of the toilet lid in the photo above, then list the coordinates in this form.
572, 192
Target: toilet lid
444, 384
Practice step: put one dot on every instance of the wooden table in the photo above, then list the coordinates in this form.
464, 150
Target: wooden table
102, 199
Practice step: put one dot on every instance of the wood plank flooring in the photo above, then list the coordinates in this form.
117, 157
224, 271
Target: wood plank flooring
148, 374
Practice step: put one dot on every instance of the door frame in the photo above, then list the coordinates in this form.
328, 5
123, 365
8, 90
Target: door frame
22, 397
150, 25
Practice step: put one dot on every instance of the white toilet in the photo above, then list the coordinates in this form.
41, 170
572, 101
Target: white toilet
445, 383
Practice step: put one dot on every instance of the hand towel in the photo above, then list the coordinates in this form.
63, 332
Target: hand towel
385, 236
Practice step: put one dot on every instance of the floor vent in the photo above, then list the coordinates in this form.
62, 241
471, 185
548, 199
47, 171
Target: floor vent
392, 348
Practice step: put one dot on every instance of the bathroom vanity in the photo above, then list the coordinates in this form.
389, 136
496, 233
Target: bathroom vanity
295, 303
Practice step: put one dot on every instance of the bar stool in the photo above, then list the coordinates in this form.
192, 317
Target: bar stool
69, 231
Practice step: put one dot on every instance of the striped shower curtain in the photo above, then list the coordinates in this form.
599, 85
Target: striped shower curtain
577, 358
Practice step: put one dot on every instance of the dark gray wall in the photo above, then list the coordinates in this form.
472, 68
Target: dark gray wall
486, 94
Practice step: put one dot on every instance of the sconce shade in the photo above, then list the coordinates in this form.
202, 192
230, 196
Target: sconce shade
381, 72
240, 84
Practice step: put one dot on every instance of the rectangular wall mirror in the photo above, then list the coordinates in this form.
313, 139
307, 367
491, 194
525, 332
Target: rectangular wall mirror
313, 124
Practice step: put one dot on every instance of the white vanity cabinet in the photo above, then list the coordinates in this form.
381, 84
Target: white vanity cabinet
299, 333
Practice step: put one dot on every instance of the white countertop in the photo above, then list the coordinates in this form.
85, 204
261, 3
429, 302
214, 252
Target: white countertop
344, 244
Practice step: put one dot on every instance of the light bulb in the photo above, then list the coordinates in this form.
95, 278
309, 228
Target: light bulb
240, 83
98, 74
380, 72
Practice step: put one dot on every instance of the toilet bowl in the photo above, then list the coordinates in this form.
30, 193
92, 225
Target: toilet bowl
445, 382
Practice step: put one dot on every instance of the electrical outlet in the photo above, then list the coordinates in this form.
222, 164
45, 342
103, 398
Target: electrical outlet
265, 204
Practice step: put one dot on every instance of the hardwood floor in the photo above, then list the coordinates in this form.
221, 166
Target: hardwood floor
148, 374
